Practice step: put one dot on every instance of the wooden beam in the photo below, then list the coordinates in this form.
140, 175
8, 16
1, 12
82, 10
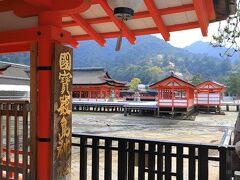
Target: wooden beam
157, 19
29, 35
138, 15
33, 101
40, 3
120, 24
86, 27
201, 11
20, 8
29, 8
172, 28
210, 10
14, 48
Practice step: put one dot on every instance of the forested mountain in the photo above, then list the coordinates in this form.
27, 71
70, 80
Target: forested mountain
19, 58
148, 60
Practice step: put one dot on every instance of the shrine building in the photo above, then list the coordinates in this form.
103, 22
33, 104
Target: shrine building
209, 94
174, 94
95, 84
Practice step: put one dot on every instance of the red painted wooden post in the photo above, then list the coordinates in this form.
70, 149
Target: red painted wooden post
45, 49
220, 97
208, 97
44, 75
172, 89
80, 94
197, 96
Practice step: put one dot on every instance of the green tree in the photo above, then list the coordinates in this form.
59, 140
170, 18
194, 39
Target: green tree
233, 83
154, 74
197, 79
134, 83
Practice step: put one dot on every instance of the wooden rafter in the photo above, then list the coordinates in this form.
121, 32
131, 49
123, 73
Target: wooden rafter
165, 11
120, 24
201, 11
172, 28
40, 3
210, 9
86, 27
138, 15
14, 48
157, 19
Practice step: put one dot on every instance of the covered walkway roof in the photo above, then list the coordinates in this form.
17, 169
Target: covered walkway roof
94, 20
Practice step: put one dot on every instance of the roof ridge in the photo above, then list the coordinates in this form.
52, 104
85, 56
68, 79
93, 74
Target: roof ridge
15, 64
89, 69
12, 77
175, 76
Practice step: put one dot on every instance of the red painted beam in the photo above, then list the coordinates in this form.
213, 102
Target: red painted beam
121, 25
138, 15
29, 8
81, 22
20, 8
14, 48
157, 19
172, 28
40, 3
210, 9
70, 6
202, 14
36, 34
8, 5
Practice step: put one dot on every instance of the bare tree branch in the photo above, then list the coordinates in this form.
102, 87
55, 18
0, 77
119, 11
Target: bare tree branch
228, 34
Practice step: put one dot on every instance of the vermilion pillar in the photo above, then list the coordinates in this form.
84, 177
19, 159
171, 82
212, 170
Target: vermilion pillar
45, 88
44, 76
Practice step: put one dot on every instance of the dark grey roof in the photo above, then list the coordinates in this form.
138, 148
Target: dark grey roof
14, 81
3, 67
94, 76
14, 74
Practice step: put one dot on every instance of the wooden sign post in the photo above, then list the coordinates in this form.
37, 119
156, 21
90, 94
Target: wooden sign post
62, 115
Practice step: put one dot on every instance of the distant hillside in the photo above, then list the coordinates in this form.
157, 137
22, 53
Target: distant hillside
200, 47
150, 59
146, 47
18, 58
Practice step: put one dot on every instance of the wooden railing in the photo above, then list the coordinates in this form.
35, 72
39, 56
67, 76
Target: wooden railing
14, 140
127, 159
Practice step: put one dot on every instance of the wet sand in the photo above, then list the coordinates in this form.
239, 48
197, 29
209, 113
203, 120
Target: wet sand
206, 128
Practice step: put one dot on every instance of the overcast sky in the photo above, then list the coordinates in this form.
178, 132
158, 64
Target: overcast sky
185, 38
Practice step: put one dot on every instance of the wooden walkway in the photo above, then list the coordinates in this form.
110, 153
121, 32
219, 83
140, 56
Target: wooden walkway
129, 108
140, 107
227, 106
98, 106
